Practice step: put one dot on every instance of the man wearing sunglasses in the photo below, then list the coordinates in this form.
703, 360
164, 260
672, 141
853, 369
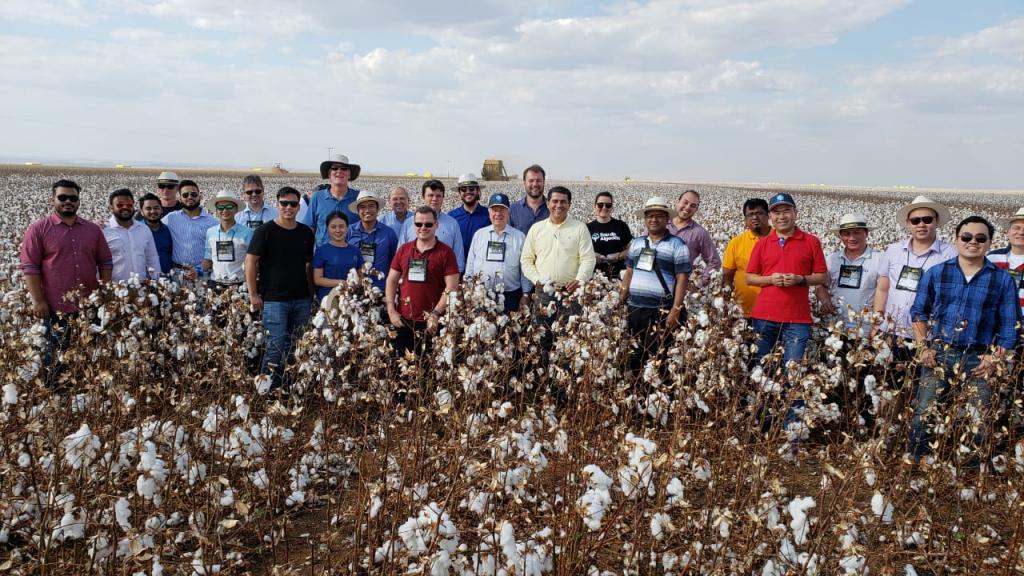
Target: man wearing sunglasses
131, 243
335, 197
900, 270
167, 190
226, 243
256, 211
62, 254
471, 216
965, 315
188, 228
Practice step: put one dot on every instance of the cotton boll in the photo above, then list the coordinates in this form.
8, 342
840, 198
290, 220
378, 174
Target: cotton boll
800, 524
123, 514
80, 448
10, 394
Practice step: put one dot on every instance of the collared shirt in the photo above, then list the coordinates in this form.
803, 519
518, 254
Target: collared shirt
799, 254
227, 268
253, 219
188, 234
558, 253
895, 257
852, 284
321, 205
700, 243
509, 267
671, 257
133, 251
448, 232
737, 255
522, 217
67, 257
416, 298
164, 242
1004, 259
470, 222
390, 219
384, 242
978, 312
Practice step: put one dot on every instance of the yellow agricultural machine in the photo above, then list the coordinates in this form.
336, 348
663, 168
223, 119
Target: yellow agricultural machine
493, 170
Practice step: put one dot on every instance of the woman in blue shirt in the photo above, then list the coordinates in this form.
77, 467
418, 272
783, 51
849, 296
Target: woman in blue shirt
333, 261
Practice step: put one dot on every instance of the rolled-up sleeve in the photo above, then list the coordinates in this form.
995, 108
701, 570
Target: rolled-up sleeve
32, 251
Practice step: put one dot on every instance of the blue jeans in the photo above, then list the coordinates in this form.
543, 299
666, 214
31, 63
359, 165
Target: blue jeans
793, 338
284, 322
932, 389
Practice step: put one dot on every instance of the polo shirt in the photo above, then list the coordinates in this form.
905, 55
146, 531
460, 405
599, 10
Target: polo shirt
384, 242
1005, 260
899, 301
672, 257
67, 257
799, 254
416, 298
321, 204
522, 217
133, 251
228, 269
854, 289
470, 222
737, 255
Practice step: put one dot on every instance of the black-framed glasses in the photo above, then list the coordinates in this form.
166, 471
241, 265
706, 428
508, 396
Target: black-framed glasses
922, 219
469, 188
167, 186
251, 192
968, 237
288, 203
339, 167
424, 224
607, 205
67, 198
225, 206
190, 194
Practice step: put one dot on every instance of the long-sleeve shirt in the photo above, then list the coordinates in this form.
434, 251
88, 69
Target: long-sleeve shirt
321, 204
188, 235
558, 253
978, 312
164, 247
700, 243
470, 222
67, 257
1004, 259
448, 232
377, 247
390, 219
133, 250
522, 217
488, 263
901, 295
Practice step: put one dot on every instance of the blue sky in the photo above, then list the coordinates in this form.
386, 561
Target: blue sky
865, 92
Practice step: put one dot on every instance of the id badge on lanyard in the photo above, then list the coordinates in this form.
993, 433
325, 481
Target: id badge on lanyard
225, 251
646, 260
909, 278
254, 224
417, 270
495, 251
368, 250
850, 276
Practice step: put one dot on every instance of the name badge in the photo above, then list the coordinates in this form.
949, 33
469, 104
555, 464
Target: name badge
225, 251
495, 251
909, 278
850, 276
368, 250
1017, 276
254, 224
417, 269
646, 260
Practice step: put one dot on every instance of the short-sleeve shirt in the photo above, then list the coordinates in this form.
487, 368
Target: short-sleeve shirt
336, 262
283, 257
226, 251
737, 255
900, 297
417, 298
799, 254
672, 257
610, 237
852, 283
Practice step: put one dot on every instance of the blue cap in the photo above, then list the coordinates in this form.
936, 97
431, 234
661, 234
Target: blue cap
499, 199
781, 198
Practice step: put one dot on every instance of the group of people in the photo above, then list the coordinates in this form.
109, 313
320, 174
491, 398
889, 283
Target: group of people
943, 305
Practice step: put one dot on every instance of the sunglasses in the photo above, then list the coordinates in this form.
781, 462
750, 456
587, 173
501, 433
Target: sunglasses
919, 219
167, 186
604, 205
339, 167
288, 203
251, 192
67, 198
225, 206
190, 194
424, 224
469, 188
968, 237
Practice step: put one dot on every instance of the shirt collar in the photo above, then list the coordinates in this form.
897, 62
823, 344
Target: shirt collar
936, 246
55, 219
112, 222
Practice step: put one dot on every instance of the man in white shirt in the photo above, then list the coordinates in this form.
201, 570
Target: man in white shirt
131, 243
853, 275
494, 254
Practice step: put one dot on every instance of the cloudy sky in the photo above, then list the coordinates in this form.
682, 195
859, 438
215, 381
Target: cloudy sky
867, 92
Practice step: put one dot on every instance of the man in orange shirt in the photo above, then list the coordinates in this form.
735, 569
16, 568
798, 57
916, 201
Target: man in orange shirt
737, 254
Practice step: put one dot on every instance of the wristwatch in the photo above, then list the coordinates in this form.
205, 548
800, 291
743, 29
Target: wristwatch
803, 280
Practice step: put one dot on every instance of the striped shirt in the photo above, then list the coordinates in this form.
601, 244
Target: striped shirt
672, 257
1002, 259
188, 236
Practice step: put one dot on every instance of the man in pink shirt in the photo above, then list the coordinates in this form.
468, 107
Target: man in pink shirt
63, 258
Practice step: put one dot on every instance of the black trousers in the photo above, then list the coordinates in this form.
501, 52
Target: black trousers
412, 335
647, 327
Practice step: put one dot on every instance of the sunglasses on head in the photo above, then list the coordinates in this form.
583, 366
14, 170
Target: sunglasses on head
919, 219
251, 192
190, 194
288, 203
968, 237
424, 224
67, 198
604, 204
225, 206
167, 186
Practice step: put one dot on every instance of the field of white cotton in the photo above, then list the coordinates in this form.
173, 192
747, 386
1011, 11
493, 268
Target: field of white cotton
161, 454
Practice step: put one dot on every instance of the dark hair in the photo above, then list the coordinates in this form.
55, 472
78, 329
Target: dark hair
121, 192
147, 197
183, 183
691, 191
560, 190
252, 179
427, 210
288, 191
334, 216
755, 203
603, 193
976, 220
433, 185
535, 168
66, 184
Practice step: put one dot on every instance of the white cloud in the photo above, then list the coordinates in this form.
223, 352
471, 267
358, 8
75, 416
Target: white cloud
1004, 39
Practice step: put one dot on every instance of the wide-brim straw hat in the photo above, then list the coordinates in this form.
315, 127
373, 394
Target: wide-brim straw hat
223, 196
851, 222
353, 169
363, 196
657, 203
923, 202
166, 177
1018, 215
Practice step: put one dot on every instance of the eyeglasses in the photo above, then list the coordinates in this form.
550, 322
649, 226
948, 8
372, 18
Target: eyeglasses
919, 219
288, 203
167, 186
604, 205
339, 167
190, 194
67, 198
469, 188
968, 237
251, 192
225, 206
424, 224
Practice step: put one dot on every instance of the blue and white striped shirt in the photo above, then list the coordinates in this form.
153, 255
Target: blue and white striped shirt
188, 234
672, 257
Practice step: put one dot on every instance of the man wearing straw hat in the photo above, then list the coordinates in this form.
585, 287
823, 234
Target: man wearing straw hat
852, 274
336, 197
1011, 258
226, 243
376, 242
167, 191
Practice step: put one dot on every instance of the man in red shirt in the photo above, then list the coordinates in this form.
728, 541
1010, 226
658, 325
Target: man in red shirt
784, 264
423, 273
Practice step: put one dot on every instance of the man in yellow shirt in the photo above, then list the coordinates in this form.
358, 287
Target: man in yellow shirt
737, 253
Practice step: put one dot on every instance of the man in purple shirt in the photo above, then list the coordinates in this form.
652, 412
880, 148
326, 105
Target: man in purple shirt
62, 255
697, 239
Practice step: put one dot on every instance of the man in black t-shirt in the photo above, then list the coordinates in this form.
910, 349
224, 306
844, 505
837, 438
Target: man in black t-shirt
611, 237
280, 281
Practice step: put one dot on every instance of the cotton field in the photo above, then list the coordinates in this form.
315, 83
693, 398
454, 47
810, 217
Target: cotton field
161, 454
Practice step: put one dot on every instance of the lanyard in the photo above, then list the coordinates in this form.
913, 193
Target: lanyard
231, 238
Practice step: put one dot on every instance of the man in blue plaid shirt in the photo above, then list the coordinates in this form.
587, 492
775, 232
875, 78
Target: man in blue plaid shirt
965, 320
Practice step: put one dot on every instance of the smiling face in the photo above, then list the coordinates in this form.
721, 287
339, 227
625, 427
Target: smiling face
433, 198
425, 225
190, 197
603, 207
687, 205
470, 195
338, 175
783, 217
534, 184
922, 224
226, 211
1016, 234
558, 204
973, 240
854, 239
398, 201
168, 193
66, 201
152, 211
123, 208
288, 206
253, 195
368, 213
499, 217
338, 229
656, 222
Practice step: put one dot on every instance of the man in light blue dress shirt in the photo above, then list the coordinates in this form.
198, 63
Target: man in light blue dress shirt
448, 230
494, 254
398, 202
188, 228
